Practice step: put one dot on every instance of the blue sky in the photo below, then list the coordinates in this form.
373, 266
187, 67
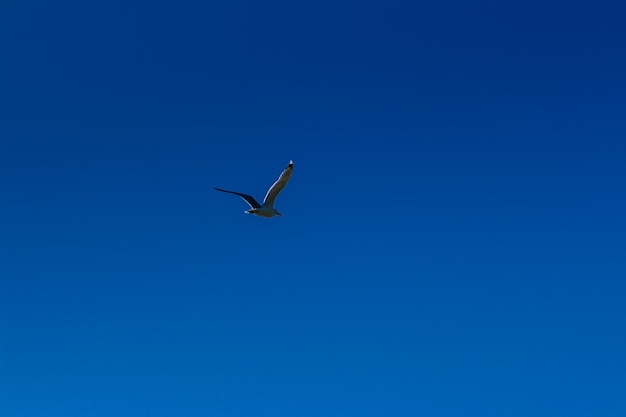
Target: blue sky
452, 240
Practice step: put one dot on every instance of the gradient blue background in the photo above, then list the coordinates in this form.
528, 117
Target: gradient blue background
453, 240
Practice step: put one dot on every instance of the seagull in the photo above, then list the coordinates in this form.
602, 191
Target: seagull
267, 209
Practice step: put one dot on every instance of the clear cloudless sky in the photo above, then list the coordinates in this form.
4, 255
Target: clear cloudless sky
453, 238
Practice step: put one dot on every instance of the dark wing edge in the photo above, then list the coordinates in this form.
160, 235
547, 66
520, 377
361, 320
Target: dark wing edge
247, 198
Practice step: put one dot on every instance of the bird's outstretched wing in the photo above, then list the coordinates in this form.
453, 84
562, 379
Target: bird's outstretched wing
278, 185
248, 198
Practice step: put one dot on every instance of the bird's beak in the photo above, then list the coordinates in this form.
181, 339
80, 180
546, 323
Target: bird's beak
278, 213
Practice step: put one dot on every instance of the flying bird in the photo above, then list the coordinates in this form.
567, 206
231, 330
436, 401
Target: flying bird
267, 209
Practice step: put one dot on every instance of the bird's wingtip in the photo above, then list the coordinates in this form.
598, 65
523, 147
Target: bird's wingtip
290, 163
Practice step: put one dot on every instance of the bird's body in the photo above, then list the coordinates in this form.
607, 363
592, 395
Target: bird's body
266, 210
